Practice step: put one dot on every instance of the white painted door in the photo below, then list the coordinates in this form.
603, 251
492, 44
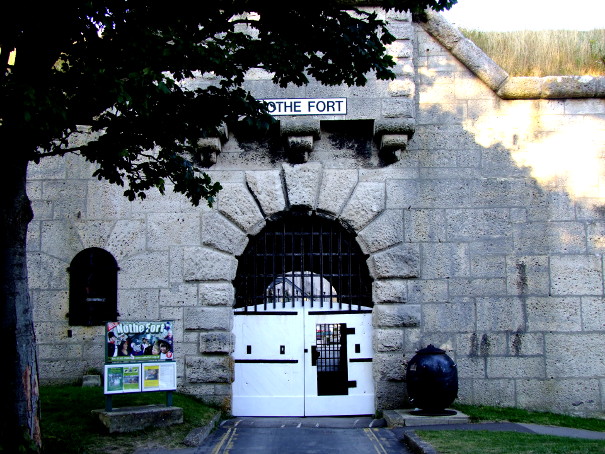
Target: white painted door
303, 362
269, 373
338, 375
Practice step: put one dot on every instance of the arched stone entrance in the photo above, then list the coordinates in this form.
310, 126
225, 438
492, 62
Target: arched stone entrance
349, 198
302, 322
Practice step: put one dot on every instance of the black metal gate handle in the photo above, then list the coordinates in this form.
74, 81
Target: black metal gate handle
314, 355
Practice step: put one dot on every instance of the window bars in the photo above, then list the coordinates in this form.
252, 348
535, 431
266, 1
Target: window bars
330, 357
303, 261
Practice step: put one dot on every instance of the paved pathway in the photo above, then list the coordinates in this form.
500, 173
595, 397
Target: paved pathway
535, 429
302, 436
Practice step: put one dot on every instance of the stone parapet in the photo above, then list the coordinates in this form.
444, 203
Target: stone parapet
551, 87
554, 87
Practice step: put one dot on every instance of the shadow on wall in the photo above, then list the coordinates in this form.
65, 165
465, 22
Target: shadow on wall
561, 150
560, 142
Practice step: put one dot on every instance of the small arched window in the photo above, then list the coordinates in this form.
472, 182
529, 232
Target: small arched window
93, 288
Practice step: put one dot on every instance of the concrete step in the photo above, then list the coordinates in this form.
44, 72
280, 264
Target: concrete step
130, 419
404, 418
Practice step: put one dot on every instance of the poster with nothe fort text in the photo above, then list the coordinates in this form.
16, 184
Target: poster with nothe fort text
142, 341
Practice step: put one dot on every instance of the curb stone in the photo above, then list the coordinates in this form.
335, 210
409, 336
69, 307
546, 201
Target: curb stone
199, 434
416, 444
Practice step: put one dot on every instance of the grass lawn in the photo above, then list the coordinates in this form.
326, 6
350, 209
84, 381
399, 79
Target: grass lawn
484, 442
68, 426
486, 413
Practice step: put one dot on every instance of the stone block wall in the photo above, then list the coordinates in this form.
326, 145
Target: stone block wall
505, 212
484, 237
178, 262
188, 277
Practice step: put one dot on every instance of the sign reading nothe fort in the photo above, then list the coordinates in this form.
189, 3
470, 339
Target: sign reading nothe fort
306, 106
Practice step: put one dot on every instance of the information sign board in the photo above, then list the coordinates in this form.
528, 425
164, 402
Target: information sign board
139, 357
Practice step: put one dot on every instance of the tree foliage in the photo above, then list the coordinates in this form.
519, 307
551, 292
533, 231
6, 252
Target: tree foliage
120, 67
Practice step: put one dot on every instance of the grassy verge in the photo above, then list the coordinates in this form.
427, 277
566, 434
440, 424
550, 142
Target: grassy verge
544, 52
485, 413
69, 428
483, 442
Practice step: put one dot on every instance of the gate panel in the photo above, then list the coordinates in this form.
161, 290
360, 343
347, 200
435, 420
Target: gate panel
349, 364
277, 372
269, 365
319, 361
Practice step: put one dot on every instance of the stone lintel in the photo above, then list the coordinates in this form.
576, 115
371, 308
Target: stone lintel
300, 127
384, 126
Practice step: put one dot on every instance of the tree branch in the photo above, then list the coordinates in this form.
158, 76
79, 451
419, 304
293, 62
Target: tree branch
58, 152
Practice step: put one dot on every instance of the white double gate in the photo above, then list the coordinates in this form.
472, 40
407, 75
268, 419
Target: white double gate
303, 362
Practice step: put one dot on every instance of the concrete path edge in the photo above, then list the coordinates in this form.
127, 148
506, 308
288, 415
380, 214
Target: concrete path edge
199, 434
417, 445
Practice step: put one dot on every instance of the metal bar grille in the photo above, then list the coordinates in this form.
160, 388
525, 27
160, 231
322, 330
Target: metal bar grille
328, 346
332, 370
303, 260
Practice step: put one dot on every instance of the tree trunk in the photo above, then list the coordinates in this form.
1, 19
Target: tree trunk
19, 407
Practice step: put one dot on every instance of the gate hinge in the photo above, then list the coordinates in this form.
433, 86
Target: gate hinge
348, 331
352, 384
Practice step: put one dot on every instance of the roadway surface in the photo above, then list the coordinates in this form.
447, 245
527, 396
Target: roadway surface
302, 436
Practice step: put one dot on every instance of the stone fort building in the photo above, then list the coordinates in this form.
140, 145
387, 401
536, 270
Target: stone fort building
453, 206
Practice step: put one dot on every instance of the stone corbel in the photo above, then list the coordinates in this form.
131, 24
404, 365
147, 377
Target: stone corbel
299, 136
392, 136
208, 148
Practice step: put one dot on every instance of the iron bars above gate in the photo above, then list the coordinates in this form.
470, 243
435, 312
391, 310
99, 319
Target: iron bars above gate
303, 261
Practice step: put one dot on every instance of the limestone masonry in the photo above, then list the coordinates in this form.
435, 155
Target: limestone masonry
478, 198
